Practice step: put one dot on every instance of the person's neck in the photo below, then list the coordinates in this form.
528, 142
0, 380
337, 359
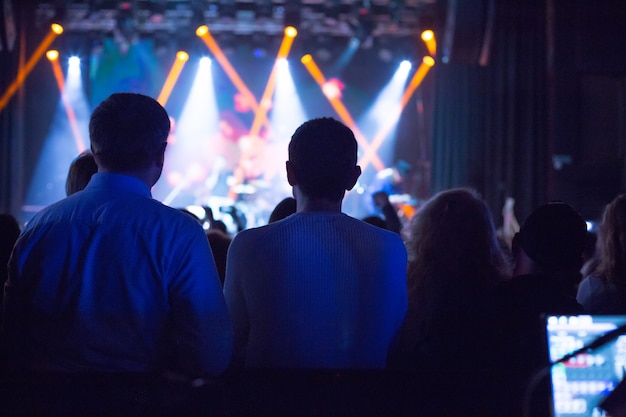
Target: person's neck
305, 204
142, 175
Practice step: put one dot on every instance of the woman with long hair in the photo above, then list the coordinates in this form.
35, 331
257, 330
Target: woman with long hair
604, 291
455, 261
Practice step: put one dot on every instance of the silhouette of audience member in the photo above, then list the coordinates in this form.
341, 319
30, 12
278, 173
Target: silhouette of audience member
318, 289
547, 255
375, 221
109, 279
80, 172
591, 257
604, 291
9, 232
455, 262
219, 242
219, 225
390, 216
284, 208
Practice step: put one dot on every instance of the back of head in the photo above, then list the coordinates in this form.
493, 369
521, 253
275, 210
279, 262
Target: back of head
286, 207
613, 242
80, 172
403, 167
127, 131
453, 236
323, 153
375, 221
554, 236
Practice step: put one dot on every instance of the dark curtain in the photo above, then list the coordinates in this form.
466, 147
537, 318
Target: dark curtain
12, 57
490, 124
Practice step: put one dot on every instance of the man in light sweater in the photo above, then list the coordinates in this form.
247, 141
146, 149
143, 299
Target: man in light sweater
318, 289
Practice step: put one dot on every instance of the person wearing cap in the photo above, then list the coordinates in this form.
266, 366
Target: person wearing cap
547, 254
548, 251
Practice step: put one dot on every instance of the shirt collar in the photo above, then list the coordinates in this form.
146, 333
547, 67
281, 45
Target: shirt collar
119, 182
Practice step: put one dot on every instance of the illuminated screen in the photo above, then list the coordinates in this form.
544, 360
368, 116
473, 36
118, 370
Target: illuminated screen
580, 384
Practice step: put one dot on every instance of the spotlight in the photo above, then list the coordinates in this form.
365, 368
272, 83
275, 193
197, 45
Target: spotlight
56, 28
74, 61
202, 30
291, 31
182, 56
282, 63
306, 59
428, 35
205, 61
405, 65
52, 55
429, 60
332, 89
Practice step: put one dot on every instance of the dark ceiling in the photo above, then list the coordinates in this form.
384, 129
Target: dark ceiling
344, 18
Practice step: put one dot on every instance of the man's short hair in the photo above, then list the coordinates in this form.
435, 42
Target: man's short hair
127, 130
323, 153
554, 236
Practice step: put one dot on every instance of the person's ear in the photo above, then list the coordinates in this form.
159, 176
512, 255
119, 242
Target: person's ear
353, 178
161, 155
291, 174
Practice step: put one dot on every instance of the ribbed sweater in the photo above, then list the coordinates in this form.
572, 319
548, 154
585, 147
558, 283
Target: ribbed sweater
315, 290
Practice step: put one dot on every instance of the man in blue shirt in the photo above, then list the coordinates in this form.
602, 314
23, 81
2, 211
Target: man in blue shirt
109, 279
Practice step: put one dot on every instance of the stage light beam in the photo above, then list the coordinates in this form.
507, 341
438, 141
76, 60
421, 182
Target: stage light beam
428, 36
192, 159
52, 55
260, 114
170, 81
382, 116
427, 63
205, 35
55, 30
73, 72
287, 114
283, 51
291, 32
340, 108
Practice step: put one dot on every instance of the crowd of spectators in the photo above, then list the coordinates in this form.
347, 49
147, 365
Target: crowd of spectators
109, 279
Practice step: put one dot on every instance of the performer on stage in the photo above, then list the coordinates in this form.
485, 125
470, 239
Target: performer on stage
393, 183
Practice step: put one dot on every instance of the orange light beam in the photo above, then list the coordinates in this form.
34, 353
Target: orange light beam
341, 110
418, 77
30, 64
283, 51
172, 77
260, 114
69, 110
56, 70
428, 36
203, 33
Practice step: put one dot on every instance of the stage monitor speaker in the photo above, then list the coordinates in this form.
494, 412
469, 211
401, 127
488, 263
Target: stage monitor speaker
468, 31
